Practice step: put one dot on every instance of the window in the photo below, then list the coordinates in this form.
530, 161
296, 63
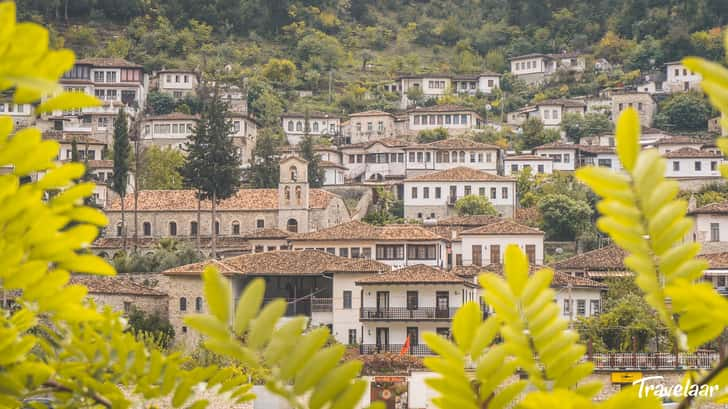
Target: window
315, 127
540, 169
236, 228
193, 228
98, 76
481, 191
713, 165
198, 304
347, 300
390, 252
593, 307
425, 192
531, 253
343, 252
260, 223
414, 193
290, 126
352, 337
292, 225
184, 330
217, 227
147, 227
698, 166
581, 307
438, 192
421, 252
721, 281
477, 254
172, 228
495, 253
355, 252
331, 250
566, 158
567, 308
714, 232
412, 300
547, 114
380, 126
118, 229
493, 193
468, 190
366, 252
607, 163
504, 193
183, 304
411, 156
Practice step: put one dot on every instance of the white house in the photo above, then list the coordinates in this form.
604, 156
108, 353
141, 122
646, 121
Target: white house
170, 130
21, 114
455, 119
375, 161
711, 223
597, 155
564, 155
397, 245
669, 143
436, 85
334, 173
319, 124
536, 67
401, 304
487, 244
177, 83
689, 163
434, 195
368, 126
551, 112
537, 164
680, 78
451, 153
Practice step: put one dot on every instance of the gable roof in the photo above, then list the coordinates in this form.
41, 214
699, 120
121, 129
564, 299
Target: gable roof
179, 116
356, 230
114, 285
711, 208
269, 233
559, 280
108, 62
678, 140
716, 260
311, 115
687, 152
185, 200
460, 174
370, 113
606, 258
388, 142
415, 274
557, 145
503, 227
454, 143
562, 102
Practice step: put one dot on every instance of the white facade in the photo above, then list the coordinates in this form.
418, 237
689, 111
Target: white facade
171, 130
493, 247
563, 156
375, 161
578, 302
538, 165
21, 114
319, 124
710, 227
333, 174
368, 126
437, 85
680, 78
442, 155
434, 199
178, 83
693, 168
456, 120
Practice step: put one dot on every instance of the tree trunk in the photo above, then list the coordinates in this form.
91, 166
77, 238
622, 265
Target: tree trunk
214, 231
123, 225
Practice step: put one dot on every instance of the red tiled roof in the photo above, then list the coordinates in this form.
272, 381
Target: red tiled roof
419, 273
370, 113
226, 242
503, 227
69, 137
711, 208
606, 258
116, 285
266, 234
184, 200
442, 108
460, 174
108, 62
687, 152
356, 230
179, 116
528, 157
557, 145
454, 143
560, 279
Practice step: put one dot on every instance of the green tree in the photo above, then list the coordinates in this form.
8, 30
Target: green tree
212, 165
431, 135
577, 126
563, 218
120, 176
280, 71
687, 111
264, 161
534, 134
160, 103
264, 104
159, 168
416, 95
470, 205
315, 172
151, 325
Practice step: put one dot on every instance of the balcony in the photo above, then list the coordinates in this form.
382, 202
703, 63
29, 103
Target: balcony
405, 314
304, 306
369, 349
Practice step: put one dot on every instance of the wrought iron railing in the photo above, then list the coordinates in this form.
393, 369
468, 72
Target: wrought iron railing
406, 314
626, 360
418, 349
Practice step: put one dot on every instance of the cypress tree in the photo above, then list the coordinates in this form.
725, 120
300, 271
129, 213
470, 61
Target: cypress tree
121, 165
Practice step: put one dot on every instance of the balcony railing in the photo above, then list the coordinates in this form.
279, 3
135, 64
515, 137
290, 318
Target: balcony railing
405, 314
369, 349
322, 304
626, 360
304, 306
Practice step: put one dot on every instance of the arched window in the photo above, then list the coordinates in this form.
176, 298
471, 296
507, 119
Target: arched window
462, 156
183, 304
236, 228
315, 127
292, 226
172, 228
217, 227
299, 126
193, 228
287, 193
446, 157
298, 194
147, 228
454, 156
119, 229
290, 126
198, 304
294, 173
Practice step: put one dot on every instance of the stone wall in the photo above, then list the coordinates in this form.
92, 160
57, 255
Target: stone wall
117, 302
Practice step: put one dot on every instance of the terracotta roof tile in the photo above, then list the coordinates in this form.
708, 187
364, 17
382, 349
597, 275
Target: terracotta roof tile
311, 114
562, 102
678, 140
712, 208
557, 145
687, 152
114, 285
266, 234
227, 242
356, 230
503, 227
560, 279
460, 174
442, 108
717, 260
606, 258
329, 164
454, 143
369, 113
184, 200
108, 62
196, 269
173, 116
69, 137
419, 273
388, 142
528, 157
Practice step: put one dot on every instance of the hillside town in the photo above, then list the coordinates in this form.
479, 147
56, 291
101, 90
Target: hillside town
377, 223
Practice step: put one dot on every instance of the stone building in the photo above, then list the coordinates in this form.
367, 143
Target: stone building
174, 213
643, 102
123, 295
